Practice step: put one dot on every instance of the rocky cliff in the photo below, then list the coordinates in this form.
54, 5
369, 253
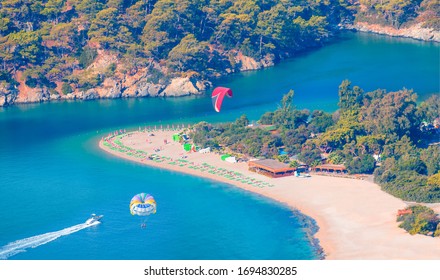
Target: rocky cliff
8, 94
416, 31
139, 84
246, 63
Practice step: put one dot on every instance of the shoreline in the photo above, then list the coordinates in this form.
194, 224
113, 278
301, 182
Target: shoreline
415, 32
10, 97
311, 228
354, 219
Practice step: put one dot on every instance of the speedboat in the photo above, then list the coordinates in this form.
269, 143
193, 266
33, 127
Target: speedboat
93, 219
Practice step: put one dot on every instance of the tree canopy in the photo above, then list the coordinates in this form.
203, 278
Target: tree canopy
53, 37
398, 12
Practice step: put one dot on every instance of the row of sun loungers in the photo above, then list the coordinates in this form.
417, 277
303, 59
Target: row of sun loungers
115, 143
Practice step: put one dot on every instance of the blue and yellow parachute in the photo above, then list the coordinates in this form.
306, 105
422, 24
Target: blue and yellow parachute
142, 204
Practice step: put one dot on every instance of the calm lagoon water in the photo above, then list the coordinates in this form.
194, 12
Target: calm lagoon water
53, 176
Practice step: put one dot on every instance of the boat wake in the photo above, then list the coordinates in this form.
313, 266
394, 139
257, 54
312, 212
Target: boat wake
21, 245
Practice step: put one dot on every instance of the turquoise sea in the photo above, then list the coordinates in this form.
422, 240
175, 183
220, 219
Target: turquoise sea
53, 176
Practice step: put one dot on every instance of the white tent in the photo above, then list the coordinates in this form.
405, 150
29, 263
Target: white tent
231, 159
205, 151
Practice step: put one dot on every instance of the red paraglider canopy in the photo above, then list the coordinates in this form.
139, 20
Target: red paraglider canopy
217, 97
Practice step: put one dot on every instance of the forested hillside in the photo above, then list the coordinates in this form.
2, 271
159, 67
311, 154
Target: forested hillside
86, 49
64, 46
400, 12
404, 18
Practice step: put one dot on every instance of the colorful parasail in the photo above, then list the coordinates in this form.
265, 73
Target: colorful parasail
142, 204
217, 97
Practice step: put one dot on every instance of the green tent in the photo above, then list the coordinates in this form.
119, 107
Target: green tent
176, 137
225, 156
187, 147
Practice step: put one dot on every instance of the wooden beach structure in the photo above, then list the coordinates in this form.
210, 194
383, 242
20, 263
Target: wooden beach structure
403, 212
271, 168
330, 168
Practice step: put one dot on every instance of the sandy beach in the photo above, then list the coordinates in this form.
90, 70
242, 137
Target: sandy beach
356, 219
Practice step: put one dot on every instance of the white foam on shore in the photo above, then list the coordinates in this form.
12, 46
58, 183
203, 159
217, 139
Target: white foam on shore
21, 245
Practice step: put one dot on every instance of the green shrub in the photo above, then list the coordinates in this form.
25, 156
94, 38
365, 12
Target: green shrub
422, 220
294, 164
361, 164
155, 76
66, 88
434, 180
310, 156
335, 158
87, 56
283, 158
437, 231
31, 82
8, 78
110, 70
